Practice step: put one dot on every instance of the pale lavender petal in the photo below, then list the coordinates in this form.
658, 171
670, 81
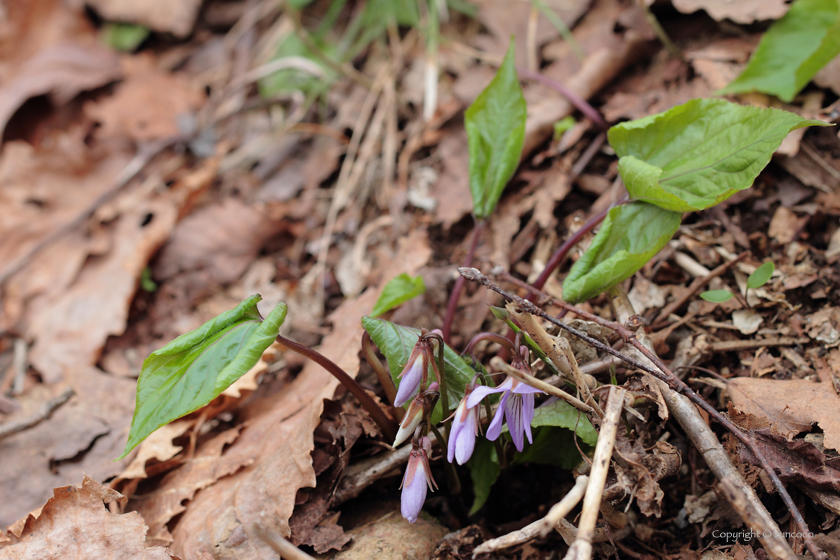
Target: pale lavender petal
410, 382
414, 495
408, 425
457, 428
495, 428
528, 415
465, 444
480, 392
525, 389
513, 411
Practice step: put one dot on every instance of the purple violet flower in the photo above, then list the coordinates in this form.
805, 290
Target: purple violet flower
412, 375
464, 429
517, 405
418, 476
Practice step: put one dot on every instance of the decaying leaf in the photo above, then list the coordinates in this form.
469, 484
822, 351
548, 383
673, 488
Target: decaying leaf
74, 525
177, 18
791, 406
742, 11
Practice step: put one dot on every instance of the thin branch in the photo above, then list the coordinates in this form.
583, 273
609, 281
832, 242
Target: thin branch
538, 528
662, 373
280, 545
389, 429
17, 426
581, 549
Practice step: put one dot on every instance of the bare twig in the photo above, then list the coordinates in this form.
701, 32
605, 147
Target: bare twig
661, 372
693, 288
754, 517
359, 476
731, 345
538, 528
499, 364
581, 549
16, 426
280, 545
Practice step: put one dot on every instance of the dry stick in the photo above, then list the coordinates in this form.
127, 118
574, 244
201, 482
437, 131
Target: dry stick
581, 549
731, 345
16, 426
703, 439
698, 283
280, 545
748, 511
663, 374
538, 528
388, 427
459, 283
499, 364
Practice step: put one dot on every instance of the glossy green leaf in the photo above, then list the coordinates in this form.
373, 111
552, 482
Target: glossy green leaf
629, 237
196, 367
124, 36
717, 296
398, 291
484, 471
495, 124
793, 50
700, 153
761, 275
396, 343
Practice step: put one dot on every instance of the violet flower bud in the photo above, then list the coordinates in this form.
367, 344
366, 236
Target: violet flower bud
418, 476
419, 408
464, 430
412, 375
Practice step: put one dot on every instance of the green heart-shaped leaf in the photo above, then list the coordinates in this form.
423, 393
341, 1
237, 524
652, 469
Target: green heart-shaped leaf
396, 343
717, 296
630, 235
196, 367
700, 153
761, 275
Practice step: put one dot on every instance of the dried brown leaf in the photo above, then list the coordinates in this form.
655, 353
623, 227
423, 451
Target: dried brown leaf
177, 18
74, 525
792, 406
742, 11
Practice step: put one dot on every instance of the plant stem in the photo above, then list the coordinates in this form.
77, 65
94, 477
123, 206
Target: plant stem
459, 283
388, 427
492, 337
577, 101
452, 479
563, 251
660, 32
382, 372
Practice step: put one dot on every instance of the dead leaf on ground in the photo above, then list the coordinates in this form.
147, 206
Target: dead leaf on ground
824, 326
747, 321
82, 437
742, 11
389, 537
74, 525
147, 104
177, 18
70, 329
792, 406
156, 447
452, 192
63, 71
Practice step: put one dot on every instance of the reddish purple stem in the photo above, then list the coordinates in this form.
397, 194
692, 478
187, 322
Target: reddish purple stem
577, 101
459, 283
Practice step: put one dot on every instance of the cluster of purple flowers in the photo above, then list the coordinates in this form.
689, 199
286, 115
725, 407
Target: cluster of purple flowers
516, 406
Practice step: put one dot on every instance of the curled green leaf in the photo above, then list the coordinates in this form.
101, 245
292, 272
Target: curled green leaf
700, 153
398, 291
196, 367
495, 124
761, 275
717, 296
629, 237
